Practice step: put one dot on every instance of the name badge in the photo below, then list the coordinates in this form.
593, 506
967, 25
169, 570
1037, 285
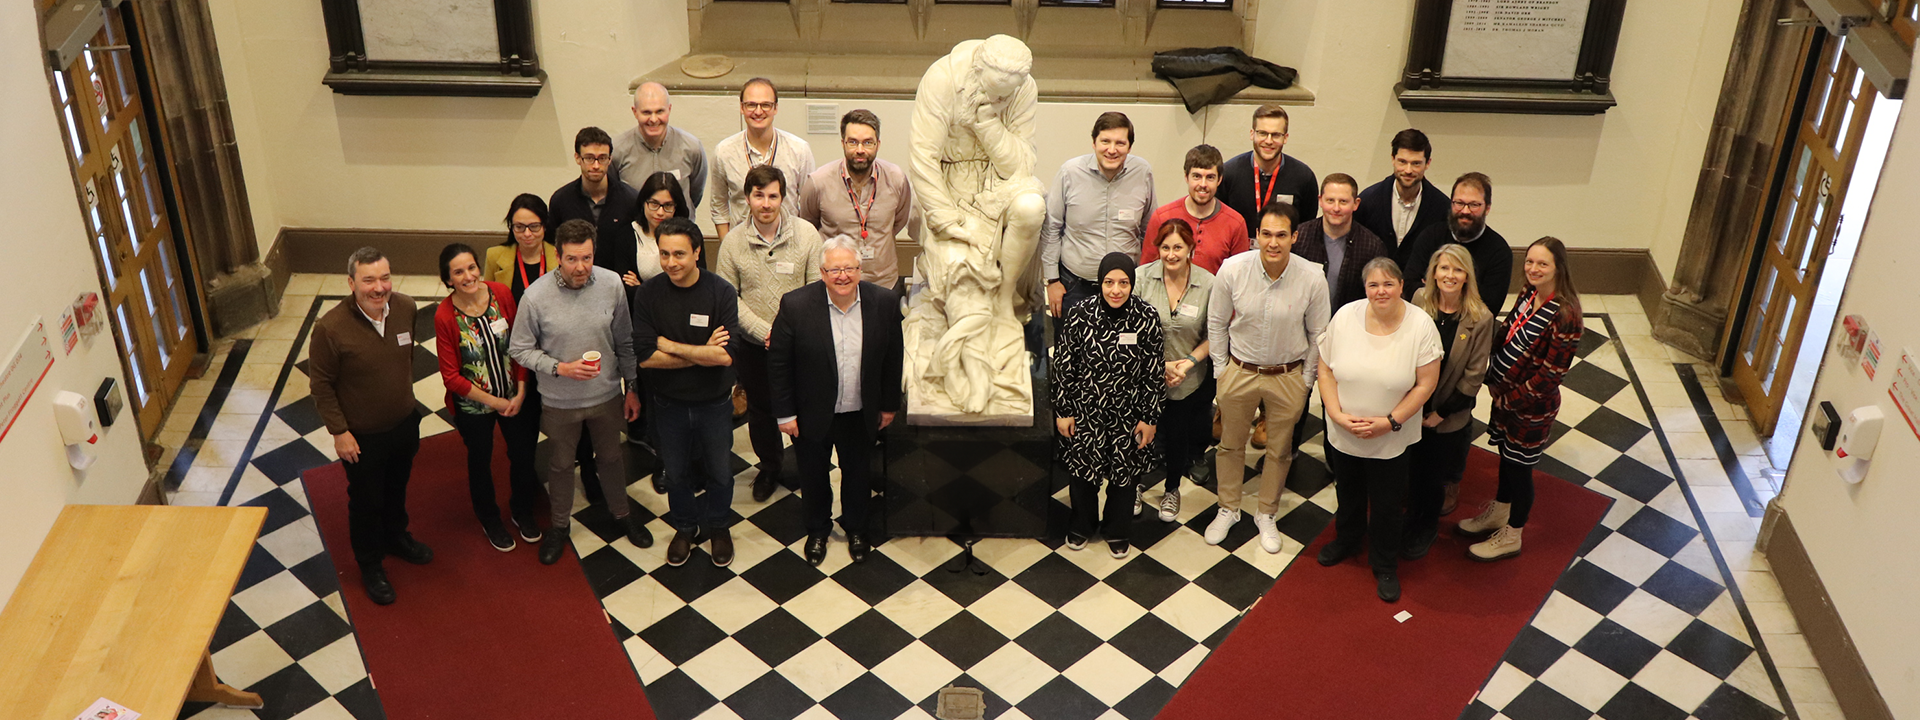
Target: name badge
498, 326
404, 339
866, 253
784, 268
1189, 309
1287, 198
697, 320
1129, 338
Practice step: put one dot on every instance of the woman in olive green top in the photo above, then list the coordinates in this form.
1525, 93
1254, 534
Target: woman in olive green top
1178, 290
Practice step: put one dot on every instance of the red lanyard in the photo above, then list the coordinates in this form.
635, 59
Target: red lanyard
1513, 328
1261, 199
854, 200
524, 282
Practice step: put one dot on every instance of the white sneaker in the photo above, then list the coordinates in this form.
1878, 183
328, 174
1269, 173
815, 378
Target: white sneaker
1269, 533
1169, 506
1222, 523
1138, 504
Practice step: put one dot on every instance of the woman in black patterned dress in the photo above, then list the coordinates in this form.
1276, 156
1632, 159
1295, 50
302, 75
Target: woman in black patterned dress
1108, 386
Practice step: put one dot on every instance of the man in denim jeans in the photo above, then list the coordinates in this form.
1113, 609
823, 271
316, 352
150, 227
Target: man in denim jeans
681, 329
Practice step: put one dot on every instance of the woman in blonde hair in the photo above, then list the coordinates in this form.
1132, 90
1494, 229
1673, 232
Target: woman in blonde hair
1440, 456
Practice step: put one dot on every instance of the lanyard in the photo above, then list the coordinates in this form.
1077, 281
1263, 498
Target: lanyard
773, 149
524, 282
1261, 199
1513, 328
854, 200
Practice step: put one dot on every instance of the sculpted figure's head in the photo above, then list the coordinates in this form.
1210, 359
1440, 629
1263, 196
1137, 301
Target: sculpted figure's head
1001, 66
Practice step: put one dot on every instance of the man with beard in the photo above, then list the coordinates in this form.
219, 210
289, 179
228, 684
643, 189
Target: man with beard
1398, 208
1467, 225
1265, 175
861, 197
653, 146
1218, 231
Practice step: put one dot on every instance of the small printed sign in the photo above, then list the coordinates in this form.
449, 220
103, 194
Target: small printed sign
104, 709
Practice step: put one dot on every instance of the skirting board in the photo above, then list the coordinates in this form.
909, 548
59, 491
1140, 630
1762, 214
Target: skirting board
1826, 633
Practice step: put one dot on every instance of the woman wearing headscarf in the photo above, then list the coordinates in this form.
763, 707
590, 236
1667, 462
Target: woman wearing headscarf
1109, 384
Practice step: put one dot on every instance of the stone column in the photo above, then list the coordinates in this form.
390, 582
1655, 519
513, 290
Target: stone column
1717, 247
192, 103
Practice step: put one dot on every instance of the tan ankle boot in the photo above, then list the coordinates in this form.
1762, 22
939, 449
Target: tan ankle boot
1504, 544
1451, 499
1491, 518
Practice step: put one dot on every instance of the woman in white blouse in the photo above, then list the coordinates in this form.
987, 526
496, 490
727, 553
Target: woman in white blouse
1379, 360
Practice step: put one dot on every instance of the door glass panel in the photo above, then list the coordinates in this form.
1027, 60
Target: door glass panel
153, 312
99, 87
148, 184
1763, 300
119, 60
75, 142
1785, 222
108, 260
168, 271
135, 228
133, 354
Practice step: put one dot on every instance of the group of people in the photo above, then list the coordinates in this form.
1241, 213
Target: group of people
599, 316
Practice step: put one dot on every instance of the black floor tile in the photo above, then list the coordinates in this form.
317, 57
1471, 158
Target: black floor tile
301, 415
1553, 466
282, 509
608, 571
776, 636
361, 700
1657, 531
866, 697
1477, 710
284, 463
694, 579
1615, 430
1235, 581
1597, 535
1539, 702
964, 640
1731, 703
678, 697
1308, 476
1147, 701
234, 626
308, 630
318, 574
1243, 530
875, 579
782, 519
1619, 649
287, 693
783, 576
260, 566
1303, 523
1055, 580
1534, 651
1634, 479
1058, 642
682, 635
1152, 642
1713, 651
1637, 703
1684, 588
1593, 381
1220, 635
1594, 587
1145, 581
964, 587
1061, 699
870, 639
771, 697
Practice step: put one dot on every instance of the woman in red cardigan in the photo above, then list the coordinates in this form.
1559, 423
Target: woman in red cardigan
485, 387
1532, 352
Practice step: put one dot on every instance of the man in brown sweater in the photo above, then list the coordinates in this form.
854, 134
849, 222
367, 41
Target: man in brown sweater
362, 377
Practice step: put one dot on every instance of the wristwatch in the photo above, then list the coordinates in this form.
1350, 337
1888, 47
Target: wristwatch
1394, 423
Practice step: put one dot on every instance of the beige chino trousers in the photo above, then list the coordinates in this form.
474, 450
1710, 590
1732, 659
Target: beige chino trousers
1242, 392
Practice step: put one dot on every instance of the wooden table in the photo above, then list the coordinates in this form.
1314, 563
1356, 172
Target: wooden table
120, 602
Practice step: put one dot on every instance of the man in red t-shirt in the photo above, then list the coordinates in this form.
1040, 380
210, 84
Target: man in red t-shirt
1219, 231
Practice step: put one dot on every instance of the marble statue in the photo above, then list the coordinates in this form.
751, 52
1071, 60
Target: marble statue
972, 167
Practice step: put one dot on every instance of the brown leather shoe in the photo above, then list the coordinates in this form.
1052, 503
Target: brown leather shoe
764, 482
680, 548
1452, 500
722, 547
1217, 423
739, 401
1260, 433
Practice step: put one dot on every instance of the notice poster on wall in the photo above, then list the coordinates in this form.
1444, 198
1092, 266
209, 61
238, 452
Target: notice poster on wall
1515, 39
25, 367
1906, 389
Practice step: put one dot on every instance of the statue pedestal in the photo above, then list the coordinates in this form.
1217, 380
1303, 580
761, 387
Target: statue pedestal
926, 415
972, 481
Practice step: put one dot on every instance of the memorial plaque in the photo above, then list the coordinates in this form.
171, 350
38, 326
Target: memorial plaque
1516, 39
448, 31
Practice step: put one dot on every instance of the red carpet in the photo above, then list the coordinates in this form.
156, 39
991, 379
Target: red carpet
477, 633
1321, 645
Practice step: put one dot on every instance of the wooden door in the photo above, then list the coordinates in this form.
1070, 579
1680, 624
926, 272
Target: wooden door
1793, 250
111, 141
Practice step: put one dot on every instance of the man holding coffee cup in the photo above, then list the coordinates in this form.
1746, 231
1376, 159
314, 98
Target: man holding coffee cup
580, 312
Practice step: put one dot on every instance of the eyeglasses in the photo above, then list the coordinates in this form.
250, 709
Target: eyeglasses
861, 144
840, 270
1467, 205
667, 206
1264, 135
761, 106
596, 159
527, 227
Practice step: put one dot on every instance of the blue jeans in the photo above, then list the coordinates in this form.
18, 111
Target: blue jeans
696, 440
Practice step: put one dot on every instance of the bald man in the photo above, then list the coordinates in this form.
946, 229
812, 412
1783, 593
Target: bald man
653, 146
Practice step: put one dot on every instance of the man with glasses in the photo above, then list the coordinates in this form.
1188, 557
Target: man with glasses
861, 197
609, 205
849, 331
1265, 175
760, 144
653, 146
1466, 225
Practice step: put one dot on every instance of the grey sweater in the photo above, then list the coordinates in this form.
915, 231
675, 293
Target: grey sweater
557, 323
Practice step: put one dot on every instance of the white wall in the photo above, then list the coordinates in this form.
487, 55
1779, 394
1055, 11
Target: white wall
48, 237
1624, 179
1860, 537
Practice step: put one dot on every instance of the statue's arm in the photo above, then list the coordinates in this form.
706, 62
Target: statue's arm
932, 108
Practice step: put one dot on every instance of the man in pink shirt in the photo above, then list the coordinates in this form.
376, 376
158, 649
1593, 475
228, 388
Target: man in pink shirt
1219, 232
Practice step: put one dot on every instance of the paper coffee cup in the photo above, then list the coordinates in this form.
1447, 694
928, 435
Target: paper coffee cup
591, 358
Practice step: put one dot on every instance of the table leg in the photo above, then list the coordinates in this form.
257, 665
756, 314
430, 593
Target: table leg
207, 688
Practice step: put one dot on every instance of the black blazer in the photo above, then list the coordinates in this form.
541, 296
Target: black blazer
800, 361
1376, 213
613, 241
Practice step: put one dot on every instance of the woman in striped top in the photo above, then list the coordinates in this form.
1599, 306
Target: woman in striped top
484, 387
1532, 352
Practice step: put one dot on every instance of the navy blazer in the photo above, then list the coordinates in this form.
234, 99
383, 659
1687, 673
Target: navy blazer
1376, 213
800, 358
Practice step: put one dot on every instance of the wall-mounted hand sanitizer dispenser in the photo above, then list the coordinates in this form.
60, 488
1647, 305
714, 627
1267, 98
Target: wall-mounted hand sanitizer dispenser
73, 413
1859, 435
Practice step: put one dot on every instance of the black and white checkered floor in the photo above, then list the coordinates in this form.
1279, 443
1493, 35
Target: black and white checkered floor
1641, 626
